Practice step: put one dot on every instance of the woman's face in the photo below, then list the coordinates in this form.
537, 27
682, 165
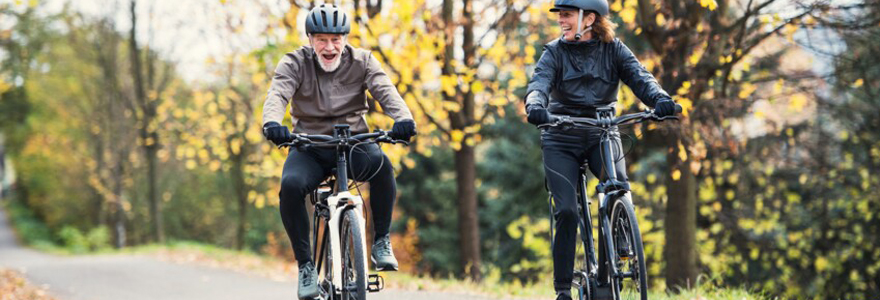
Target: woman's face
567, 20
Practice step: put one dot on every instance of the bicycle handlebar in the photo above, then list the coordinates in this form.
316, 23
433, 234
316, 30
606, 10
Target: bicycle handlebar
322, 140
558, 120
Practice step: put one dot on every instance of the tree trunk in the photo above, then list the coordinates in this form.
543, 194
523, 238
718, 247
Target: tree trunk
468, 217
155, 204
465, 161
148, 138
119, 207
680, 223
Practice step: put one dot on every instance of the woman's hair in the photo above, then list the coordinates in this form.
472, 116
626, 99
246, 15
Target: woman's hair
603, 28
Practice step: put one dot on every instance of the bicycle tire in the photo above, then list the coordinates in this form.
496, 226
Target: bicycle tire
354, 278
630, 253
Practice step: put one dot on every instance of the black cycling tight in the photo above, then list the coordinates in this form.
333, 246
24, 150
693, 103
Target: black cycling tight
304, 170
565, 150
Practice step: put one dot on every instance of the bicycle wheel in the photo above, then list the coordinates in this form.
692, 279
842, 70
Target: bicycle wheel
354, 279
630, 255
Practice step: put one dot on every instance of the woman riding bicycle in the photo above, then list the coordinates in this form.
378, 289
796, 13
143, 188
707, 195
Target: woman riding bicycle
576, 74
326, 84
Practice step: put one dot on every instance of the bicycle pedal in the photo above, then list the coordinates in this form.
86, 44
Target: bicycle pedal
375, 283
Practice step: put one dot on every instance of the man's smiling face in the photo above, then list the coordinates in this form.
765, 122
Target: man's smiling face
328, 48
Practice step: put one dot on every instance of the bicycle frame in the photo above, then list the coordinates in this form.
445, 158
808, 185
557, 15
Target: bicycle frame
607, 191
340, 201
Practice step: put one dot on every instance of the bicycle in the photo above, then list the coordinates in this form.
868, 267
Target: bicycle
341, 229
622, 256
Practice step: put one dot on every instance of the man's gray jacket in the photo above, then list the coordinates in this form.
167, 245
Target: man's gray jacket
322, 99
578, 77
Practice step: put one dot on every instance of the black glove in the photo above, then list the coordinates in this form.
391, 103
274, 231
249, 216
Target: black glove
538, 115
664, 108
403, 130
276, 133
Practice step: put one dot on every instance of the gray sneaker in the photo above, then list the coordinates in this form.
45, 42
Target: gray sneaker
382, 256
308, 281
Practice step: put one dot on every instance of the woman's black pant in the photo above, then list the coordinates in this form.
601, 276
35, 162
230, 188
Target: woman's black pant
304, 171
565, 151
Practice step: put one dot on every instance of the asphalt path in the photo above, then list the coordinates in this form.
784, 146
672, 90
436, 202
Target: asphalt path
135, 277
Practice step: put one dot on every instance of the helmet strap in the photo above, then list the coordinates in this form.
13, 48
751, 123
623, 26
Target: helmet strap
577, 36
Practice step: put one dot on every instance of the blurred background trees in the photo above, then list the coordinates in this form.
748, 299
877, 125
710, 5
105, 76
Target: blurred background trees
768, 182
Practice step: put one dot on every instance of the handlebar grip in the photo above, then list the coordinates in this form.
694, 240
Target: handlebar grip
678, 108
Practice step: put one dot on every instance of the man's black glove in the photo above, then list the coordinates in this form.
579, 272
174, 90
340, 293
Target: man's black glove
538, 115
403, 130
276, 133
663, 108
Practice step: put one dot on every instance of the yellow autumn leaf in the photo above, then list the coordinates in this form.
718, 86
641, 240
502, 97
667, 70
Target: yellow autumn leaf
661, 20
858, 83
676, 175
821, 264
685, 87
4, 86
746, 90
456, 135
477, 86
448, 83
695, 57
616, 6
451, 106
711, 4
628, 14
686, 105
797, 102
681, 152
409, 162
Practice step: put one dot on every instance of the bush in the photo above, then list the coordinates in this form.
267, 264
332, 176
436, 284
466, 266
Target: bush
73, 239
98, 238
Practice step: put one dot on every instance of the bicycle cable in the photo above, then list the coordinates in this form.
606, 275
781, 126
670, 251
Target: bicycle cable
358, 183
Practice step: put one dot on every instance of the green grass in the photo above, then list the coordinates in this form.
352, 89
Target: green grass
492, 286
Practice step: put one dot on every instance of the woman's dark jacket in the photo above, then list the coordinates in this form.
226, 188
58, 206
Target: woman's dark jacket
578, 77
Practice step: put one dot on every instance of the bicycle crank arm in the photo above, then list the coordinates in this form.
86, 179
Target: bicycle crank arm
375, 283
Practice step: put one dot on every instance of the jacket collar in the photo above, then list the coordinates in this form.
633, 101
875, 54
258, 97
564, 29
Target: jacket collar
592, 43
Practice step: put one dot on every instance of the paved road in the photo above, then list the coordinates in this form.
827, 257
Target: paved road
98, 277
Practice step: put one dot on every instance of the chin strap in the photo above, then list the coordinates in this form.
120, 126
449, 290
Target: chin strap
577, 36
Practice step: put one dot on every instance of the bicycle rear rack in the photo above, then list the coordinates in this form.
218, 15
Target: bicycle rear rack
375, 283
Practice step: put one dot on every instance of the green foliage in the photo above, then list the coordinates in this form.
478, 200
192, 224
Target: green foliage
73, 239
30, 230
98, 238
427, 195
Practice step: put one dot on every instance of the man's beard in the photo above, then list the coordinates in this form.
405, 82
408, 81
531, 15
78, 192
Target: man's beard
333, 65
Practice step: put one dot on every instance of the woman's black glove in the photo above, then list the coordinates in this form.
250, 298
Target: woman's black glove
538, 115
403, 130
663, 108
276, 133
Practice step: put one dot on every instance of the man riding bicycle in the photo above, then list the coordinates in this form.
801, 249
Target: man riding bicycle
576, 74
325, 83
